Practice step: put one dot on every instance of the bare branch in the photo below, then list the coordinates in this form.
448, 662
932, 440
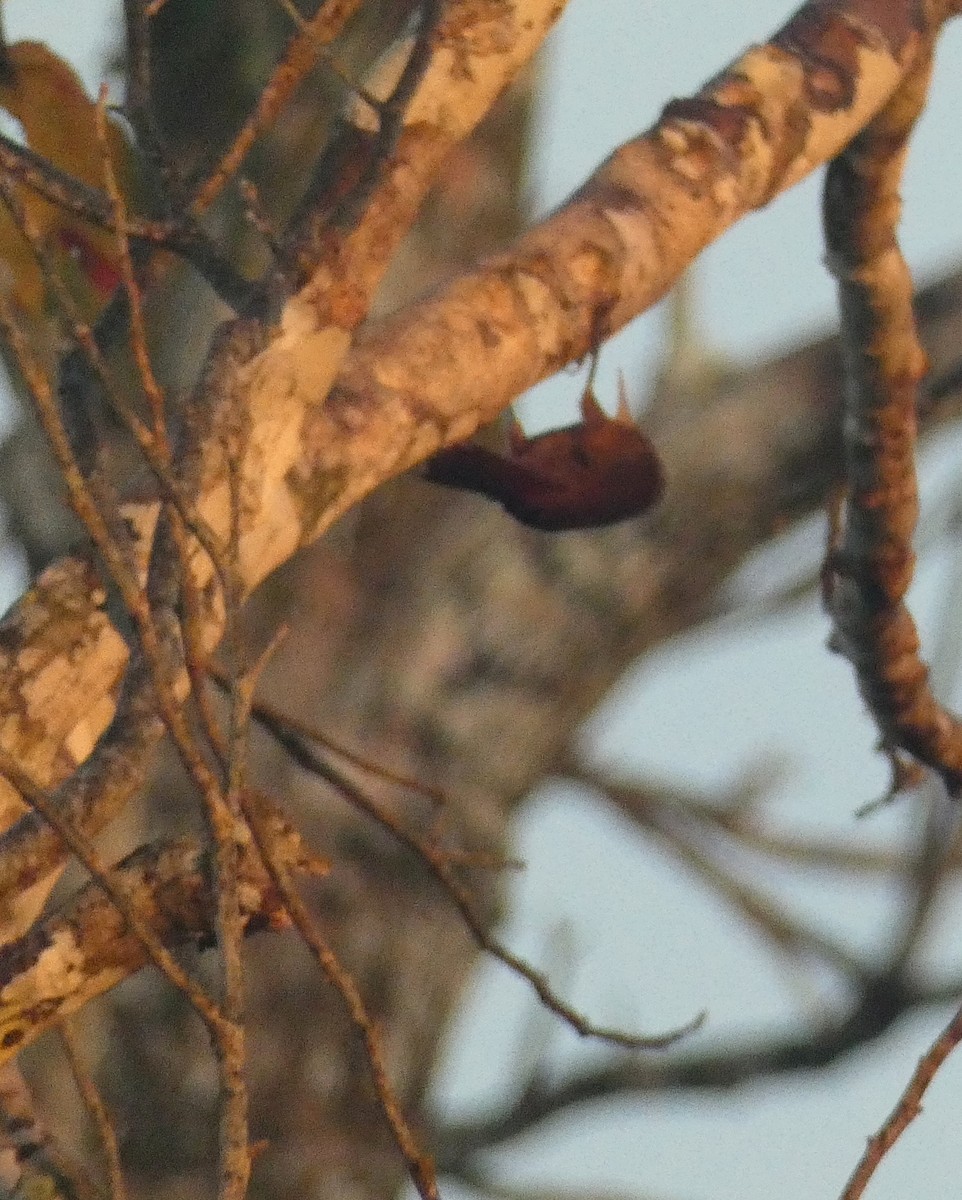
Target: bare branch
871, 567
908, 1108
419, 1164
88, 947
716, 1068
274, 444
438, 863
97, 1111
309, 462
303, 51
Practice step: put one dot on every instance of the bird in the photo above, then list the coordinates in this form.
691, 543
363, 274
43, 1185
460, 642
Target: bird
594, 473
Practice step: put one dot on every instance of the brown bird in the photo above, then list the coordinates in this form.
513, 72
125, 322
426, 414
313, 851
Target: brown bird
598, 472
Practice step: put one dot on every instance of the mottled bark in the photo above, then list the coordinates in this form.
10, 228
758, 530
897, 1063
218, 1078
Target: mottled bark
435, 633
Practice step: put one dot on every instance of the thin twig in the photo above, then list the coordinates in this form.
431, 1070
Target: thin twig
906, 1110
355, 155
139, 107
419, 1164
97, 1111
74, 196
155, 454
182, 236
156, 646
235, 1152
88, 855
138, 326
391, 112
277, 723
41, 1167
440, 867
165, 580
300, 56
152, 447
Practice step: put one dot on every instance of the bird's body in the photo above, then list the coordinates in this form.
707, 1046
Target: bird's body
597, 472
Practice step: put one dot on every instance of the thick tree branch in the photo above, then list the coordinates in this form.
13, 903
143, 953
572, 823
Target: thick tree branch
464, 76
871, 563
86, 948
618, 245
431, 375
